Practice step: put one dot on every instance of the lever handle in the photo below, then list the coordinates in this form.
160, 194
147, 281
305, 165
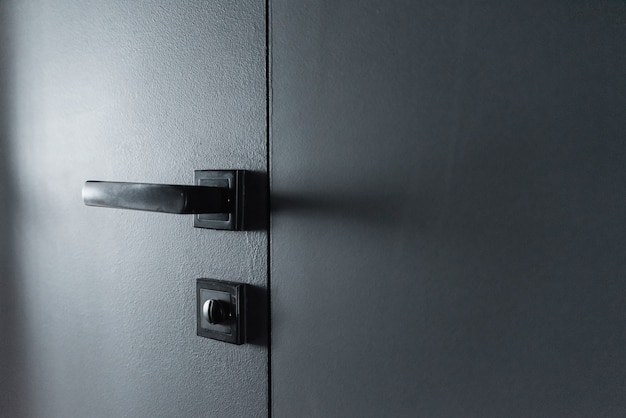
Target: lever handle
168, 198
216, 199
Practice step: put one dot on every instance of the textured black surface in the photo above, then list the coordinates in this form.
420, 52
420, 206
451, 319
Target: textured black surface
104, 300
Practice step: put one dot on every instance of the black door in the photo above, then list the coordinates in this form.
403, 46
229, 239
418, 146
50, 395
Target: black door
448, 235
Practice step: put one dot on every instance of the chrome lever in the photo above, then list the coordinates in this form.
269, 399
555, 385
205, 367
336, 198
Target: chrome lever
167, 198
216, 200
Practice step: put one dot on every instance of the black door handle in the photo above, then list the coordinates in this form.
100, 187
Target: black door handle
168, 198
216, 199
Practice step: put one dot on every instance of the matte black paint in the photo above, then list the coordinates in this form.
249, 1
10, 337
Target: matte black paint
448, 235
12, 393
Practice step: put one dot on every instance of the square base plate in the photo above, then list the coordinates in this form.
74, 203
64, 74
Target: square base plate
229, 179
233, 295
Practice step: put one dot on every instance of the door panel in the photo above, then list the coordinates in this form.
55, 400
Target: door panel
448, 203
142, 92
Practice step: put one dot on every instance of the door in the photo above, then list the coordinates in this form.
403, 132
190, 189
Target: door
447, 182
104, 315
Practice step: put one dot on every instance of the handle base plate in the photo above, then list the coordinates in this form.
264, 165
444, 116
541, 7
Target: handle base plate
233, 180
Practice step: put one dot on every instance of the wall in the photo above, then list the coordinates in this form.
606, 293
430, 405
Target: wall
448, 232
125, 91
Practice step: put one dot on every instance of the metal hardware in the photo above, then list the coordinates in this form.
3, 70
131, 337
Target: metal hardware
234, 181
216, 199
221, 310
215, 311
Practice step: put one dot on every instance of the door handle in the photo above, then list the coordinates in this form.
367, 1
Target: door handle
215, 200
167, 198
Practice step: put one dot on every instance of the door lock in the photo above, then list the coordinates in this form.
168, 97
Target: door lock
215, 200
221, 308
215, 311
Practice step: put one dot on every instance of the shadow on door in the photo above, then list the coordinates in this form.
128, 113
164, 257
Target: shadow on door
10, 387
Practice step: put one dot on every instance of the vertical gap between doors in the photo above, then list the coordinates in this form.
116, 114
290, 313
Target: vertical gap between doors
268, 120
